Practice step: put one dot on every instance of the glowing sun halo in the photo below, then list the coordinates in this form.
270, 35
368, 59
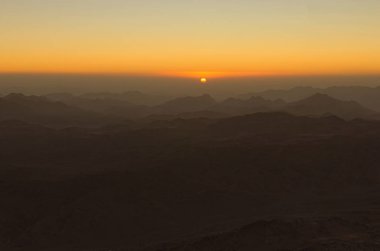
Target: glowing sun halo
203, 80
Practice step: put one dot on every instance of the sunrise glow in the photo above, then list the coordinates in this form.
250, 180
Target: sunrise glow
252, 38
203, 80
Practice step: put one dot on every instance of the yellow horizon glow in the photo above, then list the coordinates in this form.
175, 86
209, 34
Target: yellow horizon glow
190, 74
163, 38
268, 61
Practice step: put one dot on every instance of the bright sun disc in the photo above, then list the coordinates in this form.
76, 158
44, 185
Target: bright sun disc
203, 80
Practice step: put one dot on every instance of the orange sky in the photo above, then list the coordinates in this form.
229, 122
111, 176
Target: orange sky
205, 38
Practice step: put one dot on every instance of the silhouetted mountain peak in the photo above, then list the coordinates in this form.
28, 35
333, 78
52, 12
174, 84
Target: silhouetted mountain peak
32, 101
15, 95
37, 109
206, 97
320, 98
20, 96
320, 104
188, 104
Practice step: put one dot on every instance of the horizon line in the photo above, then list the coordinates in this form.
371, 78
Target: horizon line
190, 75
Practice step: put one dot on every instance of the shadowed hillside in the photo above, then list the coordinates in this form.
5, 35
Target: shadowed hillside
191, 183
189, 125
288, 234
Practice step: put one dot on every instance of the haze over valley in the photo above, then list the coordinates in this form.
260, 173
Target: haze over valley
189, 125
136, 171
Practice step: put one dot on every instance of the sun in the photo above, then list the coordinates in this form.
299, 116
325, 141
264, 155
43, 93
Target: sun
203, 80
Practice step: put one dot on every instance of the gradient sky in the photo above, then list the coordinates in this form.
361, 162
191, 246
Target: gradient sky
190, 37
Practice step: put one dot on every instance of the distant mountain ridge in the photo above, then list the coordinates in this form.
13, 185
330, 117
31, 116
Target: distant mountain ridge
187, 104
314, 105
320, 104
366, 96
202, 184
38, 109
131, 97
103, 110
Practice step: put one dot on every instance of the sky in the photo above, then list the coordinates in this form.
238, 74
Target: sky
191, 38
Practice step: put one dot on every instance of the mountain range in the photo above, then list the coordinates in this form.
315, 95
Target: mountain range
271, 180
95, 111
367, 96
41, 110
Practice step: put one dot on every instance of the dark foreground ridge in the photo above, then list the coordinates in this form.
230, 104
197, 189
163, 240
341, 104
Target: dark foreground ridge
259, 181
301, 234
